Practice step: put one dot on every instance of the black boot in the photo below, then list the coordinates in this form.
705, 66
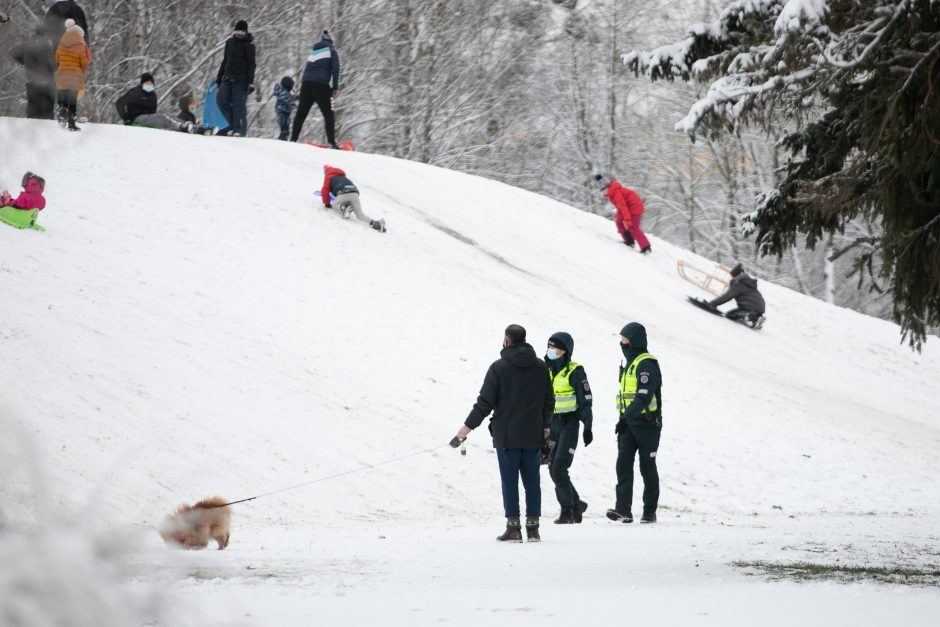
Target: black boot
579, 510
646, 251
72, 126
532, 530
566, 517
647, 518
620, 514
513, 531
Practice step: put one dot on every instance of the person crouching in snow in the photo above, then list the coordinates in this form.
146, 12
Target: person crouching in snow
345, 196
139, 106
30, 198
629, 211
750, 304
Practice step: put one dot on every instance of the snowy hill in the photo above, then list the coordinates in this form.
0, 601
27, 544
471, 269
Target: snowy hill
191, 323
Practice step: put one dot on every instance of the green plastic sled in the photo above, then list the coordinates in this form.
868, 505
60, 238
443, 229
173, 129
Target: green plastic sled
20, 218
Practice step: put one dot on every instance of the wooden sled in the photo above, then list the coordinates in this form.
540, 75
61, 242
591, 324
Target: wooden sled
713, 282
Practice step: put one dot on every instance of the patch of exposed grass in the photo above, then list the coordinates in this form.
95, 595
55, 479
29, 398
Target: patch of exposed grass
809, 571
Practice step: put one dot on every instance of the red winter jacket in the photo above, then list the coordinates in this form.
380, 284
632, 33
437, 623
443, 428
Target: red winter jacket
31, 198
328, 173
627, 202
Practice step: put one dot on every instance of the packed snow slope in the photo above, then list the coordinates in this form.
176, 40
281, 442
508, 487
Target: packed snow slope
192, 323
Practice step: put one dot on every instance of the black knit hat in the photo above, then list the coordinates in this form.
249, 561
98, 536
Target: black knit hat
287, 83
241, 25
736, 270
146, 77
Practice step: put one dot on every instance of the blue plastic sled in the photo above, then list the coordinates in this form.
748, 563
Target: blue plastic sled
211, 114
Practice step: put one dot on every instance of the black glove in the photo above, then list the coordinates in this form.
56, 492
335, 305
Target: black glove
588, 437
621, 427
251, 89
456, 442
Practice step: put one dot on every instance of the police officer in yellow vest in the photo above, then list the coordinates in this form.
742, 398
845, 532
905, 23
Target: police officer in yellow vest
639, 403
572, 406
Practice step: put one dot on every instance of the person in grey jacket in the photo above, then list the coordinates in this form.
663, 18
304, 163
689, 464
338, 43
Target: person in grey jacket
750, 304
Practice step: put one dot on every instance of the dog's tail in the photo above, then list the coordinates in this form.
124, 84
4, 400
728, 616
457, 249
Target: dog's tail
211, 503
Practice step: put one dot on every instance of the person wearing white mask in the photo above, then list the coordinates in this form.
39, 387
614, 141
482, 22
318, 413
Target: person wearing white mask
573, 400
139, 107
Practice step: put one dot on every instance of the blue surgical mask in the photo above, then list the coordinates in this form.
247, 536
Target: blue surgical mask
147, 88
553, 353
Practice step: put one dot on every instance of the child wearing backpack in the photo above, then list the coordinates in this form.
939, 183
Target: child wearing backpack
285, 105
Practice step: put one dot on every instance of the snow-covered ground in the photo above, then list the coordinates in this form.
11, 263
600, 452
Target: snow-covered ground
192, 323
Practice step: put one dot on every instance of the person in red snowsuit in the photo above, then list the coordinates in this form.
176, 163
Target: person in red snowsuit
629, 207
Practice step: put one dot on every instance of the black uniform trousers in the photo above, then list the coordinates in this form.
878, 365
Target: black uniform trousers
642, 439
321, 93
564, 431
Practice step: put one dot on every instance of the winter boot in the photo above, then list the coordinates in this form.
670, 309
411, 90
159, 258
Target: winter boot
513, 531
378, 225
759, 322
647, 518
620, 514
334, 146
347, 211
646, 251
566, 517
579, 510
532, 530
72, 126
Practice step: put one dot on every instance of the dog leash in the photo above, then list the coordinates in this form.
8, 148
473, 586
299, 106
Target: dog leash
329, 477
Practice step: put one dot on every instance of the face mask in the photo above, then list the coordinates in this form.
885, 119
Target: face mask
192, 109
148, 88
553, 353
626, 349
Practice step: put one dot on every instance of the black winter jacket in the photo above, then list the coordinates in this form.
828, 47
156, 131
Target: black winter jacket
743, 290
516, 389
649, 380
238, 63
582, 390
54, 22
37, 56
136, 102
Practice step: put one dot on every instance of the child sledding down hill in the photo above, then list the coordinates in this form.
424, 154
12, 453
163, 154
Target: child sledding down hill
31, 196
21, 211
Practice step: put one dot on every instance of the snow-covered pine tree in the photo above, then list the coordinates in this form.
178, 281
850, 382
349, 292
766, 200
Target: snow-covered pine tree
855, 84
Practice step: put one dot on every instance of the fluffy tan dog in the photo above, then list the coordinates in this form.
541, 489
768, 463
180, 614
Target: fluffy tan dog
191, 527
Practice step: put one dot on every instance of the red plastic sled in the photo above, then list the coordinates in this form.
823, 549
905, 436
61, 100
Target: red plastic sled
343, 145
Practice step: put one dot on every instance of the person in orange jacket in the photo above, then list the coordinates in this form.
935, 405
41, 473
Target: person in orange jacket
629, 207
73, 58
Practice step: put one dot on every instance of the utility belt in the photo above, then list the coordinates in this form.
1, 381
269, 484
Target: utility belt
651, 417
565, 419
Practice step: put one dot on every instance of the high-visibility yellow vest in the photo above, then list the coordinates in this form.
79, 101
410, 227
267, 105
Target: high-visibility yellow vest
565, 399
628, 386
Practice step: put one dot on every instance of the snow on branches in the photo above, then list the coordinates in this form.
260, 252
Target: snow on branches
856, 86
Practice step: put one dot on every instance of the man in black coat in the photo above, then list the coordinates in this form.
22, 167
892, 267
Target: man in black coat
37, 56
54, 22
750, 304
516, 390
236, 80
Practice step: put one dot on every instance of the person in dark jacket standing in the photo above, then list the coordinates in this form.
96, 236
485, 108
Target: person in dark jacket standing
640, 425
236, 80
37, 56
572, 406
516, 389
54, 22
750, 304
322, 67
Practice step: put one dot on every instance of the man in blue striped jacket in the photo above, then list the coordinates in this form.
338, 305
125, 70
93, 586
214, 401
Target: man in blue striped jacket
322, 67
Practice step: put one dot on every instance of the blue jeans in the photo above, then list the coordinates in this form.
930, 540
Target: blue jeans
524, 462
233, 102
